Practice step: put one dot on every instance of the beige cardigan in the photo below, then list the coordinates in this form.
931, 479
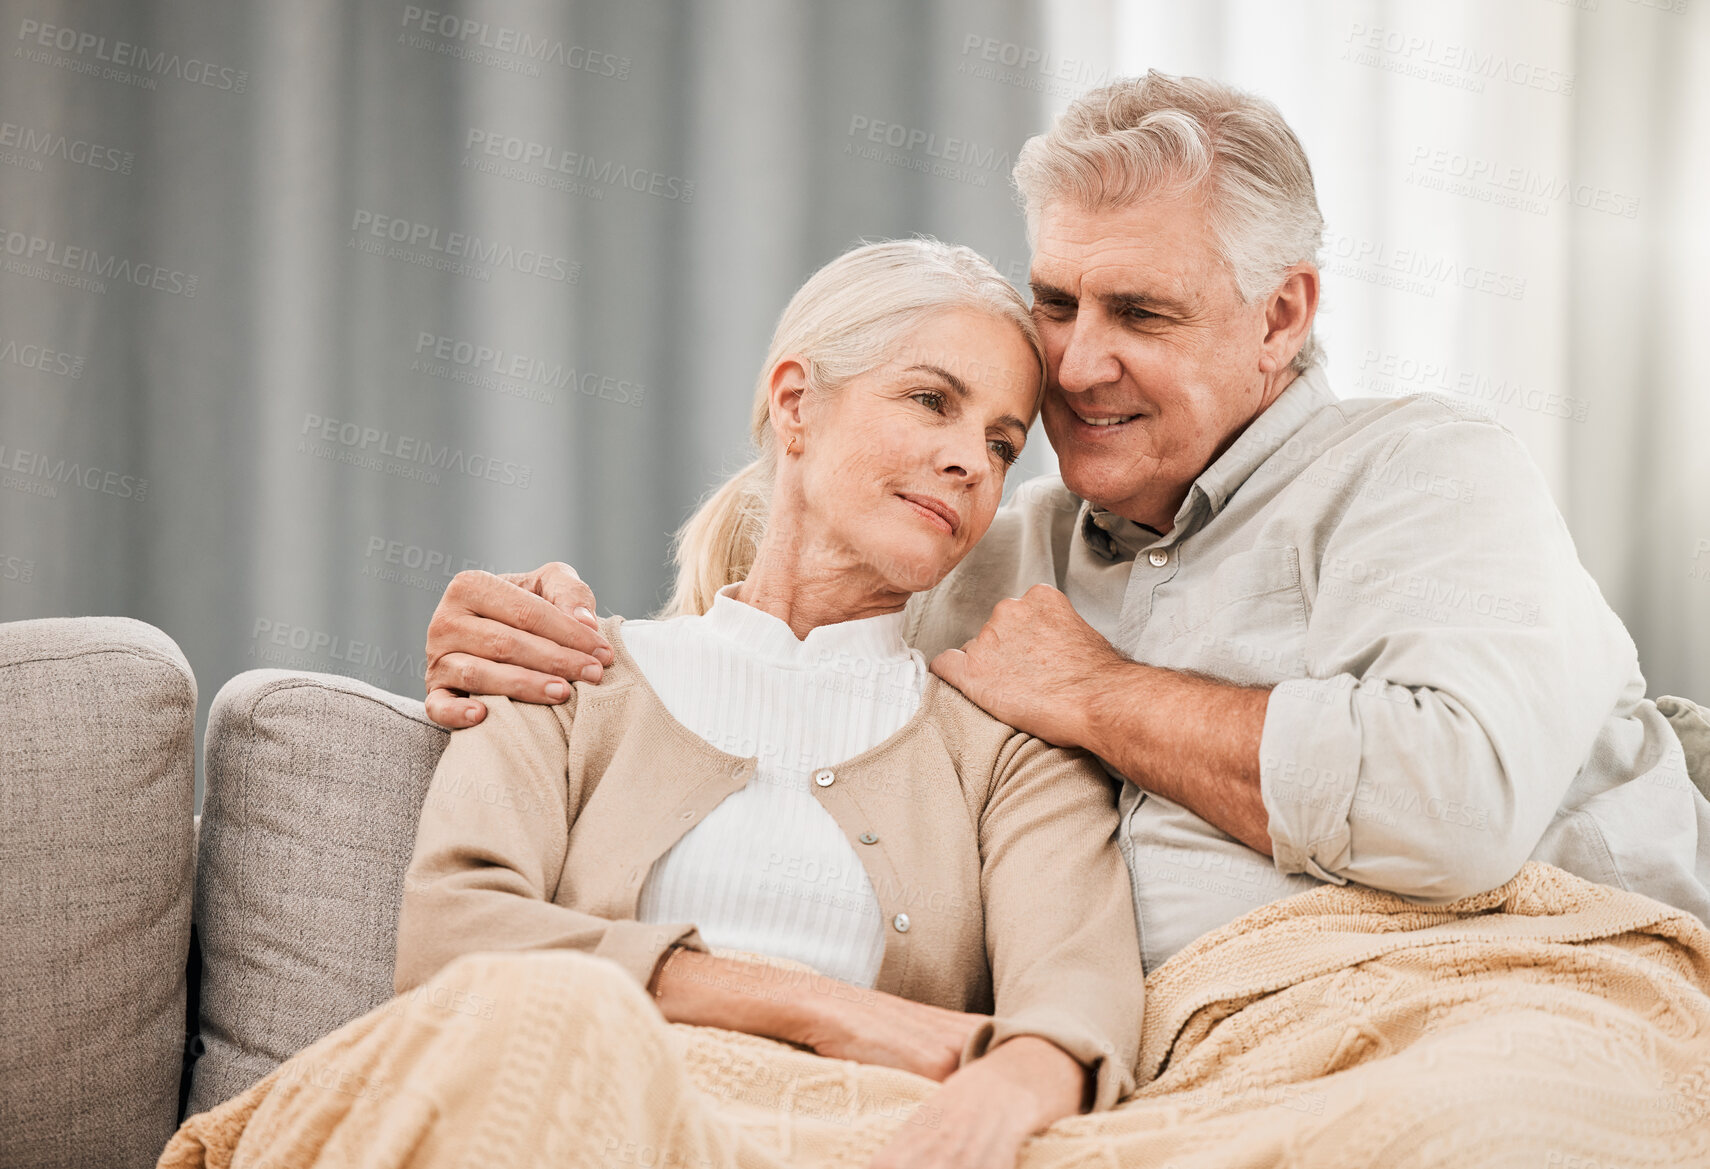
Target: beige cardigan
991, 852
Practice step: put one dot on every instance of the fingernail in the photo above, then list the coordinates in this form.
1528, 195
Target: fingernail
591, 673
556, 689
472, 711
581, 614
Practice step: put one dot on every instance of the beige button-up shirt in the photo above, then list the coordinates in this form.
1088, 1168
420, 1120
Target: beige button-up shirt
1450, 694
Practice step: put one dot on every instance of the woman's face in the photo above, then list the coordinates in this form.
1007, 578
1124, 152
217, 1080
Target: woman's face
901, 470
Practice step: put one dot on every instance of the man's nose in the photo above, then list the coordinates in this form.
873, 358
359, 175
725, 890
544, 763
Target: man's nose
1087, 358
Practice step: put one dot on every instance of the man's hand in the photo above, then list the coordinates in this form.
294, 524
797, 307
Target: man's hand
1031, 664
522, 635
1193, 740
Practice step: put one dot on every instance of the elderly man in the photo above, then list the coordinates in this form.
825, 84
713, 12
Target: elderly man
1323, 640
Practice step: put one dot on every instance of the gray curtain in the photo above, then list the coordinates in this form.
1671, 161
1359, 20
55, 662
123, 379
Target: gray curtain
306, 306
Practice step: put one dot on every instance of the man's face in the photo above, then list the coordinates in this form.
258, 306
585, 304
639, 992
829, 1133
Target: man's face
1153, 358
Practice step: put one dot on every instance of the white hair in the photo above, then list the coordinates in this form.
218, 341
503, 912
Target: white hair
1160, 135
844, 322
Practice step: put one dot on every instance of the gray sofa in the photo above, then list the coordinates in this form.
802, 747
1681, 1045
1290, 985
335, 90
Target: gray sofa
313, 785
121, 1019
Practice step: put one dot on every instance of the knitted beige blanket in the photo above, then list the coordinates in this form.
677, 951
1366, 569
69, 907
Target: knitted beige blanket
1551, 1022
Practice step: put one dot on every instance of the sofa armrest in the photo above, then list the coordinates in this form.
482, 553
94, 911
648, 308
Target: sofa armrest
97, 787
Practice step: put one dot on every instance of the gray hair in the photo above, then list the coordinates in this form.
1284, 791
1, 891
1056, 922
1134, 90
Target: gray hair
1155, 135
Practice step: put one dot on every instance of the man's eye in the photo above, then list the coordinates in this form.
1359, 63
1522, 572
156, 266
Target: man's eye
1055, 305
1005, 450
931, 399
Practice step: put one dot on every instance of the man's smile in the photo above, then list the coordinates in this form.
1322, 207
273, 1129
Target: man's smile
1103, 419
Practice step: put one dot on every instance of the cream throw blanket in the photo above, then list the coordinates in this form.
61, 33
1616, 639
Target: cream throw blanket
1551, 1022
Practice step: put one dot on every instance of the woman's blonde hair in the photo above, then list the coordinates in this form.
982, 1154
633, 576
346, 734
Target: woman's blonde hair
842, 323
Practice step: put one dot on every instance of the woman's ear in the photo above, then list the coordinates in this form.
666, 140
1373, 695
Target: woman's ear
788, 384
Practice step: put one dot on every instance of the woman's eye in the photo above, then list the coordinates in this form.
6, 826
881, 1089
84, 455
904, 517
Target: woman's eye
931, 399
1005, 450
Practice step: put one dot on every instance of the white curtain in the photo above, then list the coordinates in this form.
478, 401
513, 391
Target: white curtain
1515, 193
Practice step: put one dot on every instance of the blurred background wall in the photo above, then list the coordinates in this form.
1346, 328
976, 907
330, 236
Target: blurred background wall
304, 308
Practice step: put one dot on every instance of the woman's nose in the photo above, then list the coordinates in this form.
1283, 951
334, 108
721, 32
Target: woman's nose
962, 457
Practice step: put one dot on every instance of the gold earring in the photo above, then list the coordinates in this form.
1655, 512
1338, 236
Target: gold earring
791, 448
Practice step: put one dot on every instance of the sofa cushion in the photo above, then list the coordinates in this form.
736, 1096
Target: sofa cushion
314, 783
97, 787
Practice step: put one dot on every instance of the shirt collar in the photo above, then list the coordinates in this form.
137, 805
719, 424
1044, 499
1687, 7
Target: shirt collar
764, 636
1113, 538
1305, 396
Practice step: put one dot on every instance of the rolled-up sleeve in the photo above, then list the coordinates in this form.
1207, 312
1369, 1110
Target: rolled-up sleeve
1060, 932
490, 848
1461, 662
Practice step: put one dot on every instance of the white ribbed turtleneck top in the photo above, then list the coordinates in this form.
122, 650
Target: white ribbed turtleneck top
769, 870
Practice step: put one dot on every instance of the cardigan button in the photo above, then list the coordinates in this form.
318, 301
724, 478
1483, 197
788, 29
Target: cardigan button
901, 922
869, 838
824, 777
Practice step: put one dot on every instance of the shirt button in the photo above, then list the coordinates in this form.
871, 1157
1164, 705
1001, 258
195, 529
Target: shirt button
824, 777
901, 922
1158, 557
869, 838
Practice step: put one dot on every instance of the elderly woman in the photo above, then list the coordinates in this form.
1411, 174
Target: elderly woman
773, 773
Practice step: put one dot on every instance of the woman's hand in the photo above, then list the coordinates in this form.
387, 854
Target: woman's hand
980, 1116
834, 1018
522, 634
869, 1026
